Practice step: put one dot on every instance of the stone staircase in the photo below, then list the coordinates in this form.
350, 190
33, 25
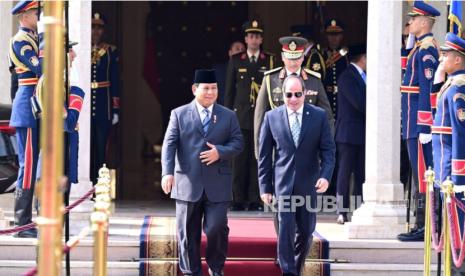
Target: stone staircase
353, 257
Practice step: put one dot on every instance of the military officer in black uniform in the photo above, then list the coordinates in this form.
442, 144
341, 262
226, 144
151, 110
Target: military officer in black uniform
105, 94
243, 78
313, 59
271, 96
335, 60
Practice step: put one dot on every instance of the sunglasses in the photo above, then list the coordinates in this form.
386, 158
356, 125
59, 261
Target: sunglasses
296, 94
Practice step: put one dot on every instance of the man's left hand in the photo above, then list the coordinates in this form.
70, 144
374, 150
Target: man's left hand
321, 185
209, 156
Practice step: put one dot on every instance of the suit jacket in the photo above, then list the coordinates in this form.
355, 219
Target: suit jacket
271, 96
183, 143
351, 107
294, 170
243, 80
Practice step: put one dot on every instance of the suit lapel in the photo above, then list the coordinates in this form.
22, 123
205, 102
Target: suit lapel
287, 127
195, 116
213, 119
358, 77
305, 123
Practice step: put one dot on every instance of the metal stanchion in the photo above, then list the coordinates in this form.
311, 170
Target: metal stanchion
99, 220
429, 175
51, 137
447, 188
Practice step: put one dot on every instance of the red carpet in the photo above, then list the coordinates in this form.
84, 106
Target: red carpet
252, 249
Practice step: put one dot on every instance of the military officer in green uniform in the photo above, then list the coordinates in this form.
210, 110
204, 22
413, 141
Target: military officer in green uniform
313, 59
270, 95
243, 78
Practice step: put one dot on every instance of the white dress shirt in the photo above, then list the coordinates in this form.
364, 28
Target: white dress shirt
291, 116
200, 109
256, 55
288, 73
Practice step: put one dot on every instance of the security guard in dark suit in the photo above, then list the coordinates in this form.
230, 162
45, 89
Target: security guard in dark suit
243, 78
313, 59
271, 96
104, 92
335, 60
24, 57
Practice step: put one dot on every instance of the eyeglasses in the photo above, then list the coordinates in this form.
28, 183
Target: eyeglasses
296, 94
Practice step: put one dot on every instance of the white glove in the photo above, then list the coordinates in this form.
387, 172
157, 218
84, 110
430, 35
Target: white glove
440, 74
73, 77
115, 119
410, 41
425, 138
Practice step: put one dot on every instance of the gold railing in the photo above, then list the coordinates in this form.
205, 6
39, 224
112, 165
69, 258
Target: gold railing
446, 243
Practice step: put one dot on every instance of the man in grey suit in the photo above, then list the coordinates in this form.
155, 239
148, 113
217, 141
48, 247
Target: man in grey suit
296, 161
201, 139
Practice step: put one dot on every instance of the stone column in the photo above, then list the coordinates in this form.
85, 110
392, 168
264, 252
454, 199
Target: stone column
382, 215
80, 31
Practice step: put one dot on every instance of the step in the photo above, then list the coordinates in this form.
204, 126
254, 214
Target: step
81, 268
374, 269
25, 249
379, 251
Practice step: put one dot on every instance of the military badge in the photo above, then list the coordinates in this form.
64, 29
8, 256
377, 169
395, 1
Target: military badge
255, 24
461, 114
34, 61
277, 90
292, 46
316, 66
429, 57
428, 73
459, 96
242, 70
311, 92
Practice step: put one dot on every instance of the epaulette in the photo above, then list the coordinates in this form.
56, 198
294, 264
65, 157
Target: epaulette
313, 73
268, 53
272, 70
427, 42
459, 80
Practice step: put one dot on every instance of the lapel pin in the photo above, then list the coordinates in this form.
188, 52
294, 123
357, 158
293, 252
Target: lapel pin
307, 113
214, 119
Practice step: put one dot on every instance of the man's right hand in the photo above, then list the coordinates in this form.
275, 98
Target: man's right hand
167, 183
267, 198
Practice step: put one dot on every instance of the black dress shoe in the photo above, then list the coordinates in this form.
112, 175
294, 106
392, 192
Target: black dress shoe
31, 233
412, 231
237, 207
255, 207
214, 273
418, 235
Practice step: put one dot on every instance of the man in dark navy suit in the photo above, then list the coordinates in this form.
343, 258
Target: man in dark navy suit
201, 139
350, 129
296, 160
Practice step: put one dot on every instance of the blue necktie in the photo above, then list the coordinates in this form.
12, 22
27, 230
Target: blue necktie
364, 77
206, 120
295, 128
